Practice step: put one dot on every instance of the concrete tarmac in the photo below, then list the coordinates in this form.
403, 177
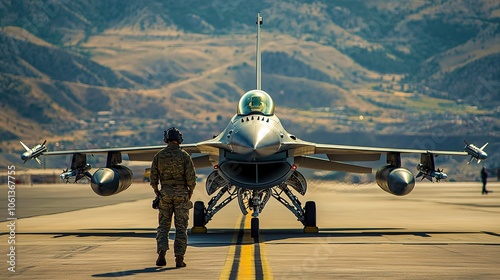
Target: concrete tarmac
440, 230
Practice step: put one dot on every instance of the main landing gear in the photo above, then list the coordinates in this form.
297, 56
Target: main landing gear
253, 201
310, 217
199, 218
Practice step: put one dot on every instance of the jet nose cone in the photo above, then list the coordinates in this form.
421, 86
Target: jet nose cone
255, 140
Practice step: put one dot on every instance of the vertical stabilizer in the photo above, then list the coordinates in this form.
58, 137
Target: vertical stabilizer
258, 60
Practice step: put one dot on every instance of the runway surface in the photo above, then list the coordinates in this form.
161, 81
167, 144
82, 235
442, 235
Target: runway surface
440, 230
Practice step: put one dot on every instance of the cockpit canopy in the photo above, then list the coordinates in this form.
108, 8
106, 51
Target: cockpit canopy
256, 102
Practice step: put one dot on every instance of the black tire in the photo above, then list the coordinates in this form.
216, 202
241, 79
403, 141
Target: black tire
199, 214
254, 230
310, 214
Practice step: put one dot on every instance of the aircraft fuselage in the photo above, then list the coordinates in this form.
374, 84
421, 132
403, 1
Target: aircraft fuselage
253, 159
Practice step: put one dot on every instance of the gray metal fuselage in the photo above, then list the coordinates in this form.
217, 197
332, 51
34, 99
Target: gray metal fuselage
253, 157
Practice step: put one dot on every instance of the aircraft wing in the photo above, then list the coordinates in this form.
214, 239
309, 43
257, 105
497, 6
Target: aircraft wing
341, 150
339, 154
125, 150
146, 153
356, 153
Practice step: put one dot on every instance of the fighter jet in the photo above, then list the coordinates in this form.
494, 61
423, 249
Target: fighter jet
253, 159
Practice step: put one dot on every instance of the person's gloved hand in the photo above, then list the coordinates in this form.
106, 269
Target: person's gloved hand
156, 203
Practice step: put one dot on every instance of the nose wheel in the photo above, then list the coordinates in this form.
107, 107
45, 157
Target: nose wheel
253, 201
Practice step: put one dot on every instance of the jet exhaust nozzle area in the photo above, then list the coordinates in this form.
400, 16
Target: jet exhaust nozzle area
395, 180
111, 180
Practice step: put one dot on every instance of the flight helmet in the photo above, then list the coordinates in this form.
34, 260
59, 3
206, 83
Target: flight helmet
172, 134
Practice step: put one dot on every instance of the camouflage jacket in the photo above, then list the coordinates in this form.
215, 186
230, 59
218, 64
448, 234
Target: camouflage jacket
173, 168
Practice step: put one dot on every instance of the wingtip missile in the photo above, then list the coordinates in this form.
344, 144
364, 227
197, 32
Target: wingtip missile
475, 152
34, 152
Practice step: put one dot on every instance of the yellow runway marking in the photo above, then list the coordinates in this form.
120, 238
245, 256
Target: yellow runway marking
246, 269
266, 268
246, 258
226, 271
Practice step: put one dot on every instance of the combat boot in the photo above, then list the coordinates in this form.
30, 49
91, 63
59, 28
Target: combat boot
179, 261
161, 261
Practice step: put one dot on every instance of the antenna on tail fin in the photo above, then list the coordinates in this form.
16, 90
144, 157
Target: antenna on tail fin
258, 60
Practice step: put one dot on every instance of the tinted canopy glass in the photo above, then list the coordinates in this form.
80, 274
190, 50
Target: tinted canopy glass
256, 102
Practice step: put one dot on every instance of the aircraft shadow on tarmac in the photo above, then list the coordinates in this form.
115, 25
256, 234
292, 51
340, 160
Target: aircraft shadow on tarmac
132, 272
224, 236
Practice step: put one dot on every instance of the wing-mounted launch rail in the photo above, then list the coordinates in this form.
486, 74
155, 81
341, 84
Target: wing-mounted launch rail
427, 169
114, 158
79, 169
394, 159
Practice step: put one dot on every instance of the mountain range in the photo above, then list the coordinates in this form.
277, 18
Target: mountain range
118, 72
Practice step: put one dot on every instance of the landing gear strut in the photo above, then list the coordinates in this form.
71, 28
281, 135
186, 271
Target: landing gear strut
306, 215
202, 215
253, 201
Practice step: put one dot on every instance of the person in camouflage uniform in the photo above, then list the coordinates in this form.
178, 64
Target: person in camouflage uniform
173, 168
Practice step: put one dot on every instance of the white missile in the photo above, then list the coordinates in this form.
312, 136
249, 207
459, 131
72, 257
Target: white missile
475, 152
34, 152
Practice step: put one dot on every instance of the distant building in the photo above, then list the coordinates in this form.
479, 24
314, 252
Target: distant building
146, 175
35, 176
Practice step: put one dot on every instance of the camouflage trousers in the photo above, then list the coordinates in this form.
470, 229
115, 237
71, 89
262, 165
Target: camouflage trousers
179, 206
